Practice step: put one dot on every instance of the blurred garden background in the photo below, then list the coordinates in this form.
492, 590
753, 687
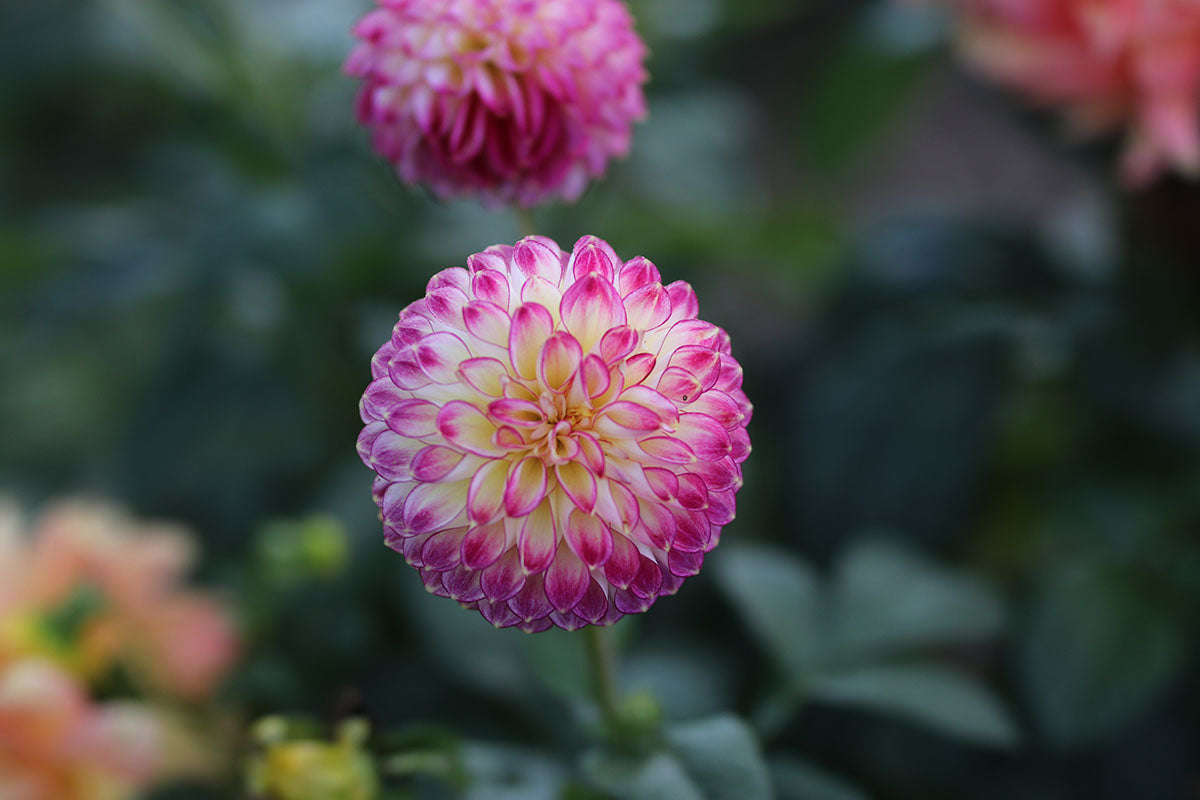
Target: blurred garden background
966, 562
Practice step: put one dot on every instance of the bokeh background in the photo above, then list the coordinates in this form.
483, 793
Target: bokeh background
967, 558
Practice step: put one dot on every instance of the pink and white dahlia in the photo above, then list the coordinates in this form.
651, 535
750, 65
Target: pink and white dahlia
515, 101
557, 437
1106, 63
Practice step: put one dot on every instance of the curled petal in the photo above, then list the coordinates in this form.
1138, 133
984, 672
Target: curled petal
579, 483
706, 437
484, 375
589, 537
590, 308
636, 273
667, 449
485, 495
531, 327
518, 413
433, 506
413, 418
537, 256
567, 579
648, 307
623, 563
504, 578
490, 285
434, 463
538, 539
560, 359
467, 427
483, 545
487, 321
526, 486
592, 254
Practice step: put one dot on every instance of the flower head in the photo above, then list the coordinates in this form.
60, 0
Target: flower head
557, 437
57, 744
516, 101
1106, 64
91, 589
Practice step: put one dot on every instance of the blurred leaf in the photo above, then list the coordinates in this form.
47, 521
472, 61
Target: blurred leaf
711, 759
797, 779
1101, 645
723, 756
659, 777
931, 696
778, 597
886, 598
500, 772
559, 660
858, 91
465, 645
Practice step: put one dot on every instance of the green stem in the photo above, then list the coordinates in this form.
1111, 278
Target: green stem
604, 673
525, 224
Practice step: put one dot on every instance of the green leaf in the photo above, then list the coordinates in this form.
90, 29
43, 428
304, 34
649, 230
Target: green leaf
659, 777
878, 80
499, 772
932, 696
888, 599
1100, 646
723, 756
797, 779
711, 759
778, 597
558, 659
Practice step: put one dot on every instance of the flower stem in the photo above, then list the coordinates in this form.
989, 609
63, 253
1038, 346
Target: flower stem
525, 224
604, 673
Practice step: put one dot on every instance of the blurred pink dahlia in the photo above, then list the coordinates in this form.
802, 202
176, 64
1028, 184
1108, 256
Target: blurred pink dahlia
557, 438
1106, 63
138, 613
516, 101
57, 744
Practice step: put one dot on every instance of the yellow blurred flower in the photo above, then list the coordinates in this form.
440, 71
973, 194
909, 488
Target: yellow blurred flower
309, 769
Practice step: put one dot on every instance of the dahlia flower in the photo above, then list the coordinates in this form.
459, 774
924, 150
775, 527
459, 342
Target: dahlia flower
1106, 64
557, 437
513, 101
117, 586
57, 744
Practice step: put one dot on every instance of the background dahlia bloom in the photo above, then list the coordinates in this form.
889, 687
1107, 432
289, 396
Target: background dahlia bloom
557, 437
516, 101
57, 744
1106, 63
121, 585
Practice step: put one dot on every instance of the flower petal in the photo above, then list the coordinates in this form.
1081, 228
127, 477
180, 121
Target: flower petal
440, 354
560, 359
487, 322
434, 506
483, 375
467, 427
483, 545
485, 495
567, 579
590, 308
531, 327
538, 539
526, 486
504, 578
435, 462
592, 254
589, 537
579, 483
